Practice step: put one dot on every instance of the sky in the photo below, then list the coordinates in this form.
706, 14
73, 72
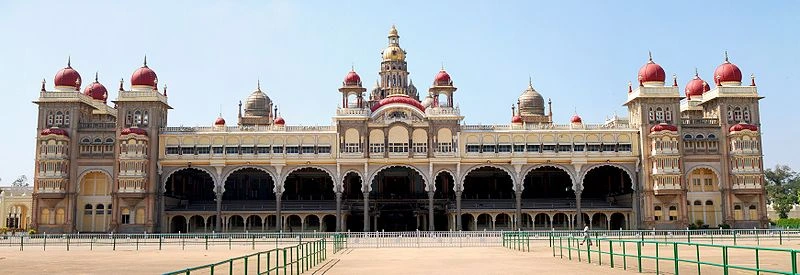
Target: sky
580, 54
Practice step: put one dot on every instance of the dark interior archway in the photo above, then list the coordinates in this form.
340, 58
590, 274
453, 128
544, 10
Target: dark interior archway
311, 184
187, 188
547, 183
444, 186
608, 184
397, 192
249, 184
488, 182
352, 186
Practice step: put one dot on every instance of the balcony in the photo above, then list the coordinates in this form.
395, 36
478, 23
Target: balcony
666, 188
747, 186
443, 111
699, 122
51, 188
352, 112
97, 125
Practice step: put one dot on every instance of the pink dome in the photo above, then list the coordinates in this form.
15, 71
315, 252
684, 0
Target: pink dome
68, 77
398, 99
144, 76
576, 119
134, 131
54, 131
664, 127
96, 90
651, 72
727, 72
352, 79
516, 119
744, 126
219, 122
696, 87
442, 79
280, 121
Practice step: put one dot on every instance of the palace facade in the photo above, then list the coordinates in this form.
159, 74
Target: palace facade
396, 160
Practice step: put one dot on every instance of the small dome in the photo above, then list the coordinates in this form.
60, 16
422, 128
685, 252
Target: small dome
696, 87
68, 77
393, 53
144, 76
442, 79
664, 127
133, 131
727, 73
651, 72
352, 79
531, 102
398, 99
744, 126
280, 121
257, 104
54, 131
219, 122
96, 90
516, 119
576, 119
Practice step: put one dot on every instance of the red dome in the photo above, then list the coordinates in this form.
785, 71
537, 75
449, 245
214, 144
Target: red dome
398, 99
442, 79
144, 76
664, 127
516, 119
727, 72
54, 131
129, 131
68, 77
280, 121
97, 91
743, 126
219, 122
576, 119
651, 72
352, 79
696, 87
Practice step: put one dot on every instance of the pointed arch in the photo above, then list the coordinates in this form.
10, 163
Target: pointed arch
260, 168
479, 166
368, 184
704, 166
165, 177
89, 171
564, 168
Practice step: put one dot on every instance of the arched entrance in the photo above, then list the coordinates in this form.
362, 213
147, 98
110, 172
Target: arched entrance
548, 188
178, 224
329, 223
399, 195
189, 189
704, 197
488, 183
95, 198
443, 194
618, 222
607, 186
354, 197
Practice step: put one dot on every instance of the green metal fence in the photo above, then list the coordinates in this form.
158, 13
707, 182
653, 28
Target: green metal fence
676, 257
339, 242
294, 259
520, 240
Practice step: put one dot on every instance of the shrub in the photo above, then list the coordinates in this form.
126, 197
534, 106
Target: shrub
724, 226
3, 230
31, 231
788, 223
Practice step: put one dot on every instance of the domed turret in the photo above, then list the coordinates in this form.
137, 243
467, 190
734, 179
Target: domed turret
352, 79
257, 104
96, 90
220, 121
651, 74
442, 79
393, 52
727, 74
280, 121
696, 86
144, 76
531, 102
576, 119
516, 119
68, 77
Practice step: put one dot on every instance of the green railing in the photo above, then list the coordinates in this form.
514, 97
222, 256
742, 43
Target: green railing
294, 259
339, 242
520, 240
695, 258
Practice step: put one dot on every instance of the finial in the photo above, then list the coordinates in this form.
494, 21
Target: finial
352, 67
69, 61
258, 85
726, 56
145, 61
165, 89
752, 80
674, 80
442, 65
630, 87
530, 81
650, 55
695, 72
95, 76
43, 81
121, 81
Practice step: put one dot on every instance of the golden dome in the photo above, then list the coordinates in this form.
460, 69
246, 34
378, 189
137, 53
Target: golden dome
393, 53
531, 102
393, 32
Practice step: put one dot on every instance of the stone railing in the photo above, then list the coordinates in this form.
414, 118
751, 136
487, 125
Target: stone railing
443, 111
50, 186
143, 94
746, 186
537, 126
265, 128
97, 125
352, 112
699, 122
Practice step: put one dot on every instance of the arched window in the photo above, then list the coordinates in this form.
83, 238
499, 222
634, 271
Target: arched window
712, 136
657, 213
709, 203
86, 140
673, 213
668, 114
97, 140
687, 136
126, 216
659, 114
737, 114
59, 118
66, 118
128, 119
109, 140
746, 114
145, 118
650, 115
737, 212
753, 213
137, 117
50, 119
698, 203
699, 137
87, 209
99, 209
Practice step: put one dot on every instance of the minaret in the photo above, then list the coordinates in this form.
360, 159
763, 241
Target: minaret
394, 70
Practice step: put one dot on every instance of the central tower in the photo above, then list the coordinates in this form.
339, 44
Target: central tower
394, 70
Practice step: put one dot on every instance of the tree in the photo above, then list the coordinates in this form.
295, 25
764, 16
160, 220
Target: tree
782, 186
22, 181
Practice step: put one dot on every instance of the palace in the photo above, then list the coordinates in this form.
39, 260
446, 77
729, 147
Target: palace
394, 160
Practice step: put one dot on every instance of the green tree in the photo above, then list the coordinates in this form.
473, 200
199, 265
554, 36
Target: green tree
782, 186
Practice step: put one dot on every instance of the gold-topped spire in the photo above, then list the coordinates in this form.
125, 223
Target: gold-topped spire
393, 31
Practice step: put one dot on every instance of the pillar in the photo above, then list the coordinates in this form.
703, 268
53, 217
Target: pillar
338, 212
458, 211
218, 226
278, 216
578, 209
366, 212
431, 227
518, 213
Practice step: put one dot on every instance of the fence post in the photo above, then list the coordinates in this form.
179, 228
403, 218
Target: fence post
794, 261
780, 236
639, 255
114, 243
675, 254
725, 260
206, 237
610, 253
44, 245
22, 243
734, 237
160, 239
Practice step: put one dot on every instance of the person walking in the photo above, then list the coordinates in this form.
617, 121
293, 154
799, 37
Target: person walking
586, 236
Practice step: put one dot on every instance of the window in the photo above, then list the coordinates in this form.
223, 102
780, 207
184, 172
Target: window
659, 114
609, 147
248, 150
262, 150
534, 148
277, 149
108, 209
737, 114
49, 119
698, 203
173, 150
504, 148
217, 150
593, 147
59, 118
753, 213
687, 136
376, 148
709, 203
668, 115
145, 118
673, 213
657, 213
746, 114
129, 119
519, 148
398, 147
231, 150
187, 150
323, 149
87, 209
737, 212
473, 148
126, 216
99, 209
66, 118
307, 150
579, 147
712, 136
137, 117
489, 148
109, 140
624, 147
650, 115
548, 148
203, 150
564, 148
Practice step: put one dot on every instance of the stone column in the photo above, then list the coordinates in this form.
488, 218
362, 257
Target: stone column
366, 212
518, 213
338, 212
578, 209
218, 226
278, 216
458, 211
430, 211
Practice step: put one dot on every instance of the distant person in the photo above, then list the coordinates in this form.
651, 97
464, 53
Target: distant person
586, 236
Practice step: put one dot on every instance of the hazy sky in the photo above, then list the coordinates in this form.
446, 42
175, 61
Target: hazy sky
211, 53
